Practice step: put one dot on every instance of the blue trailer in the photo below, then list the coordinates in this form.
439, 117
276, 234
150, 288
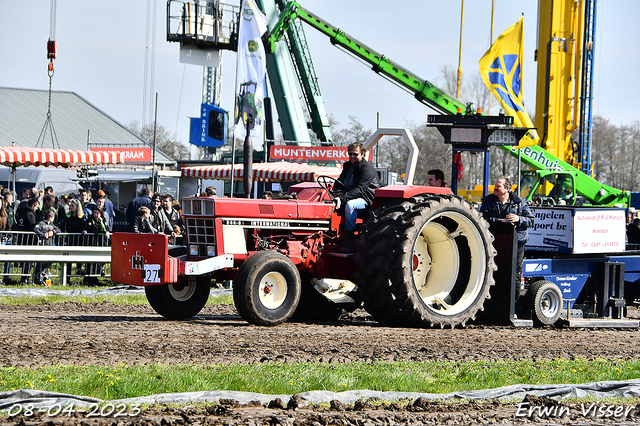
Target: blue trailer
577, 268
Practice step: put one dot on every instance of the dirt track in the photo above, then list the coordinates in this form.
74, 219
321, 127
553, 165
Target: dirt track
108, 334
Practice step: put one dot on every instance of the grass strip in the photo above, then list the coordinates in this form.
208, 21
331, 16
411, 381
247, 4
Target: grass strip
428, 377
121, 299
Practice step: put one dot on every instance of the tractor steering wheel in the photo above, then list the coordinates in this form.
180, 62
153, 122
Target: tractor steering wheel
328, 183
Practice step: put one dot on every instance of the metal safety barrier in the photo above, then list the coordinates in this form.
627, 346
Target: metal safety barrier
26, 255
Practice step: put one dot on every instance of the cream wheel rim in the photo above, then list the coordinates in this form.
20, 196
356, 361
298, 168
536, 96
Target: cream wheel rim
272, 290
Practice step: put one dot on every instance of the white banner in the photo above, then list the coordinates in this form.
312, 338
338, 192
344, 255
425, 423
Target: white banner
251, 70
599, 231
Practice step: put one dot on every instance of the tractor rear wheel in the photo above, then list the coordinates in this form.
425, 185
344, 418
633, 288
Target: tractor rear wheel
440, 260
546, 299
181, 300
266, 290
373, 250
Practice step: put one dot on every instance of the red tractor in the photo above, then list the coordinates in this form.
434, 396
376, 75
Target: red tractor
423, 257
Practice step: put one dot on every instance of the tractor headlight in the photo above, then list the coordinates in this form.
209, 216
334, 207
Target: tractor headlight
193, 250
211, 251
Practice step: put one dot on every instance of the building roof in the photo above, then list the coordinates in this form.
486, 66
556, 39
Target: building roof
23, 114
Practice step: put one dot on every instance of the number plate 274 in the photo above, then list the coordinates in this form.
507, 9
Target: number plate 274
152, 273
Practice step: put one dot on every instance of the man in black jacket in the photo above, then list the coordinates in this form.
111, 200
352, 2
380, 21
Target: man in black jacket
359, 180
26, 221
507, 207
144, 200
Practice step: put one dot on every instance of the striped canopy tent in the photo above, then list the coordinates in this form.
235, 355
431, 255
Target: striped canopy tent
17, 156
264, 172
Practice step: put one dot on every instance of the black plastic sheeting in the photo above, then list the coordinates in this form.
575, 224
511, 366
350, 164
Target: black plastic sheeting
597, 390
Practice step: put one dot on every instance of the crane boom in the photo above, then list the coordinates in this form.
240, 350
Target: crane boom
423, 90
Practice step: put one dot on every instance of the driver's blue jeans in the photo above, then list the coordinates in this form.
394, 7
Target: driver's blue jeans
351, 212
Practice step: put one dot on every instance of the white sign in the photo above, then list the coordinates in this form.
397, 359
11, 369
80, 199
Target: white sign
599, 231
151, 273
552, 230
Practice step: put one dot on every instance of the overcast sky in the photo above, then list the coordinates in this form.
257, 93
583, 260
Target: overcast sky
101, 50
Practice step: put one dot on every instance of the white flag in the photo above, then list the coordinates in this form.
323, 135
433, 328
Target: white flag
251, 69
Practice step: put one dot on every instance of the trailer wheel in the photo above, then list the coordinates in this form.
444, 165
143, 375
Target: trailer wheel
546, 298
440, 260
267, 289
181, 300
318, 305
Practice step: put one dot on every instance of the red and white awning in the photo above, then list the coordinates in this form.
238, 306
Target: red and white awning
275, 172
16, 156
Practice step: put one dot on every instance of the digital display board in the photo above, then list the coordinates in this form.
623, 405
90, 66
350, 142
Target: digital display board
503, 137
466, 135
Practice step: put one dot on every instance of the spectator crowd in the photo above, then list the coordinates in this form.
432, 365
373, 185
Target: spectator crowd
82, 219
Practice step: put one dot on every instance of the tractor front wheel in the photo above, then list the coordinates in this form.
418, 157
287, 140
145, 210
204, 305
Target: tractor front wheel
266, 290
181, 300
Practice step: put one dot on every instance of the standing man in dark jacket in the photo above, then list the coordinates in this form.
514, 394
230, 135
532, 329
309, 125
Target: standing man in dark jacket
26, 221
505, 206
360, 180
144, 200
26, 215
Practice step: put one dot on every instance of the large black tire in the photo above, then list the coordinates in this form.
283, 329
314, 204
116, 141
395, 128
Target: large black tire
266, 290
430, 260
546, 300
180, 300
241, 276
373, 251
317, 306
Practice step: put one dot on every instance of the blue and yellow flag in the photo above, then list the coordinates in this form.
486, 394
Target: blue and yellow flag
501, 70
